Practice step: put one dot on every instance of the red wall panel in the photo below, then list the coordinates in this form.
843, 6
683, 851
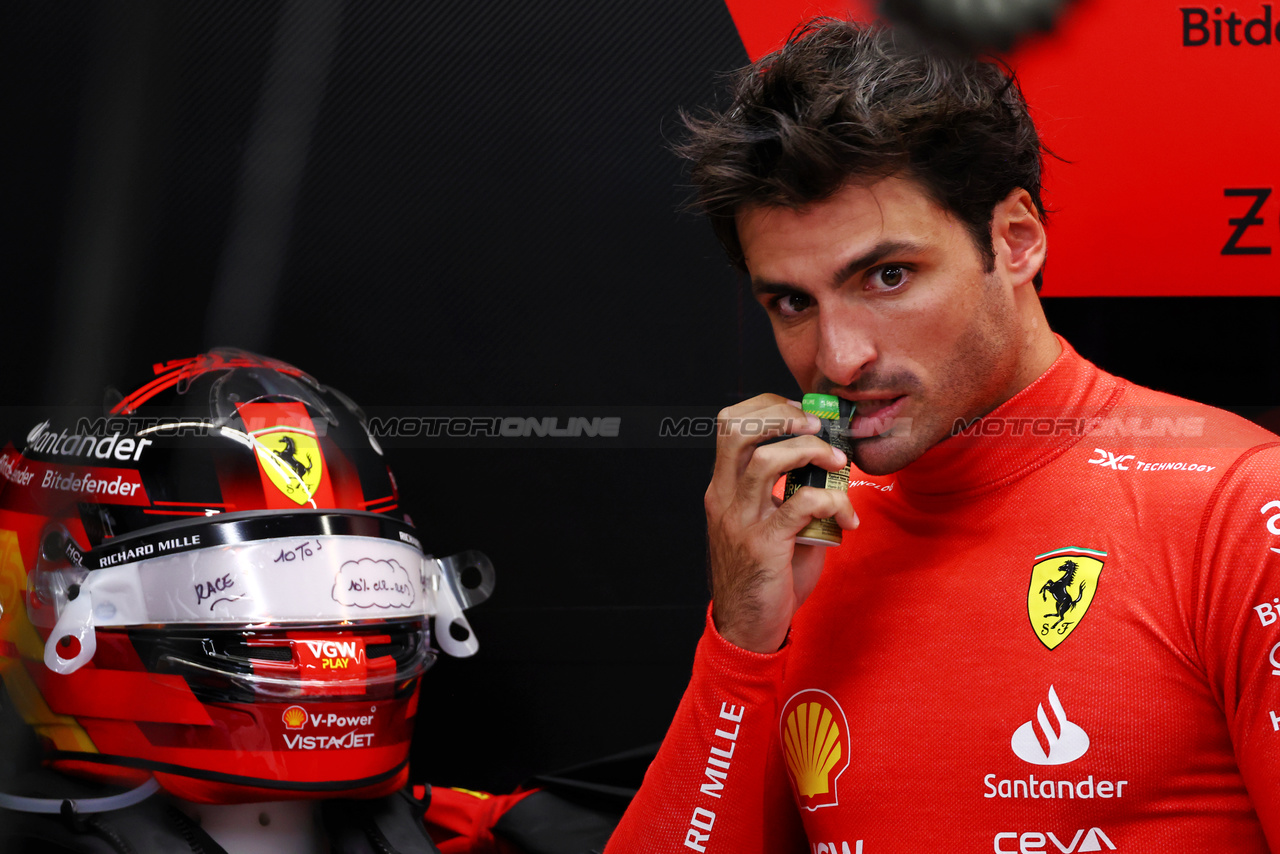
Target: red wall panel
1169, 114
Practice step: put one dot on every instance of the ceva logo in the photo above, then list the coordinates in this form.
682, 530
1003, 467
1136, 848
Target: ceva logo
1094, 839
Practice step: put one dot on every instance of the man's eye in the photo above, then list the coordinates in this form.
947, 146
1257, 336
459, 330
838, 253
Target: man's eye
889, 276
789, 305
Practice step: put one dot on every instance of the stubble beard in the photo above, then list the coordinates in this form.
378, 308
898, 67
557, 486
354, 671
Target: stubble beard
967, 386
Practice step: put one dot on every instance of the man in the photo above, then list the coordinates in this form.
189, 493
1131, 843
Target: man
1055, 625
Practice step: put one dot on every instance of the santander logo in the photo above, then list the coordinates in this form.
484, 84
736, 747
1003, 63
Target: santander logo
1065, 742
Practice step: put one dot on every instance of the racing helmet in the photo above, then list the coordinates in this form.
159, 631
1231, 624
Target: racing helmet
210, 581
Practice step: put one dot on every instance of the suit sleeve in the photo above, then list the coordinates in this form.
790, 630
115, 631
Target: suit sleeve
718, 783
1239, 616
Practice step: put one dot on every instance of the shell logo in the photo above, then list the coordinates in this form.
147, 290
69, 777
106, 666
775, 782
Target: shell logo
815, 737
295, 717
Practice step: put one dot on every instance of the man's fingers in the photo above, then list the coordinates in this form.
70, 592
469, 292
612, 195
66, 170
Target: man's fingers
809, 503
759, 575
755, 486
741, 428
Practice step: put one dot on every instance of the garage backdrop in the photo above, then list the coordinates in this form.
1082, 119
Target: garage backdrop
450, 209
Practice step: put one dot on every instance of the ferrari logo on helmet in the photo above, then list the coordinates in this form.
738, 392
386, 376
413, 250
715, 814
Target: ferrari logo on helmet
815, 744
1063, 584
291, 459
287, 450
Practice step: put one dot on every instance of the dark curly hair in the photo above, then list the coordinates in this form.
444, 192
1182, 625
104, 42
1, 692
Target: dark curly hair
847, 101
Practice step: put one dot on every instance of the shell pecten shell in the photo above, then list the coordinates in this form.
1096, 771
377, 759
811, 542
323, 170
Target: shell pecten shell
811, 746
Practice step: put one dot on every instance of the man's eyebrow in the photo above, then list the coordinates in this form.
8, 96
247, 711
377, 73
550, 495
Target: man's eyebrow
870, 258
875, 255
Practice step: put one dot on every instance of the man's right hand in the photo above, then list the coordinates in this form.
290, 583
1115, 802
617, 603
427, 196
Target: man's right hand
759, 574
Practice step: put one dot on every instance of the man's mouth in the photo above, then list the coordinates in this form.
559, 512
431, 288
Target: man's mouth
874, 416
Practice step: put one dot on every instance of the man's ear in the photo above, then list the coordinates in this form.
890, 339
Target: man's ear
1018, 238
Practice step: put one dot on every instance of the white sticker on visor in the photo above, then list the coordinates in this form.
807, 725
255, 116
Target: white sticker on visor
324, 578
318, 579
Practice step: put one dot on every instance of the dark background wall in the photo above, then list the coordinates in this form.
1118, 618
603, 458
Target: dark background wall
452, 207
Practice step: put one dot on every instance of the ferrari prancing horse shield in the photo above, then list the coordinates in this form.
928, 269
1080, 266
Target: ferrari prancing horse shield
292, 460
1063, 584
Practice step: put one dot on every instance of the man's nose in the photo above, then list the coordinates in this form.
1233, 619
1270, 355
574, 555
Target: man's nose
846, 344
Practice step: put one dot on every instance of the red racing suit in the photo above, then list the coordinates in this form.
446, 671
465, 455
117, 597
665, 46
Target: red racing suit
1054, 632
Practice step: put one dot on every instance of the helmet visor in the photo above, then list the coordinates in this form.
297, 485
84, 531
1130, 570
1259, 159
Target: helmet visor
260, 571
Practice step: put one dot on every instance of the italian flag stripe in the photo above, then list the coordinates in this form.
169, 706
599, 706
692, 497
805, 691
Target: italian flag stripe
1072, 550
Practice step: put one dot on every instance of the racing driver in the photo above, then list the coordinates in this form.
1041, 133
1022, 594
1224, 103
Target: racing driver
1055, 627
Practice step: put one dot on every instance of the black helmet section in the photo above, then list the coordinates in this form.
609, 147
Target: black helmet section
224, 432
